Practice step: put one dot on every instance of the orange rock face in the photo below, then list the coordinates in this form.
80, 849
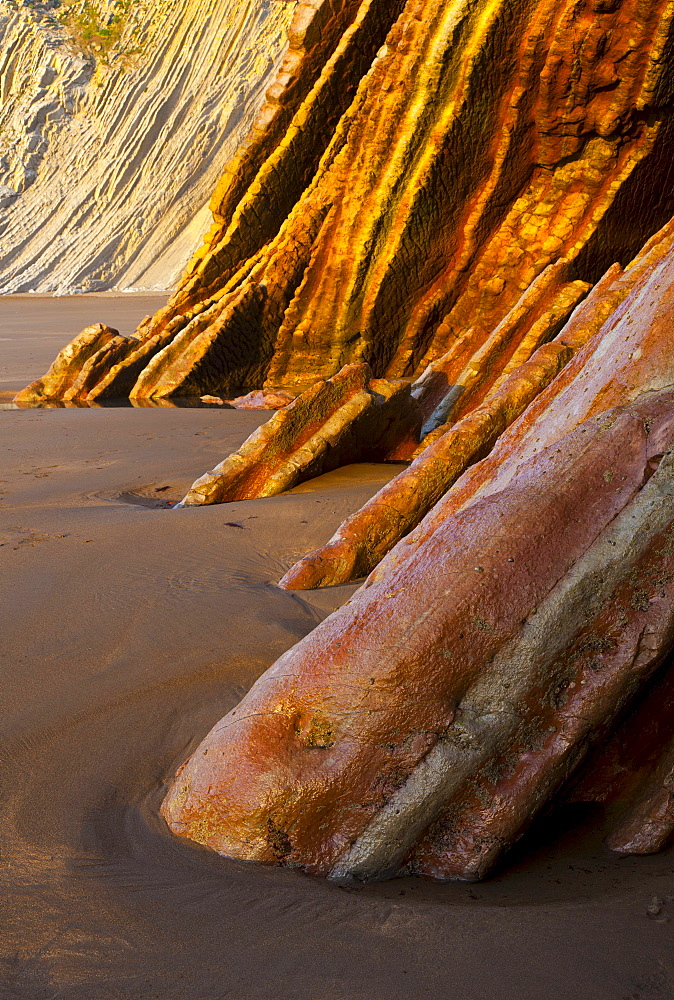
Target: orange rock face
425, 724
430, 183
361, 737
365, 537
446, 241
369, 534
335, 422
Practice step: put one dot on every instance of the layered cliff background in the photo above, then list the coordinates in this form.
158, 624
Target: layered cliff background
449, 240
116, 121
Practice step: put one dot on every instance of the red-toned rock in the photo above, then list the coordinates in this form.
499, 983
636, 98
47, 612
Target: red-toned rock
258, 399
649, 823
307, 768
422, 726
427, 280
348, 418
620, 362
592, 382
576, 691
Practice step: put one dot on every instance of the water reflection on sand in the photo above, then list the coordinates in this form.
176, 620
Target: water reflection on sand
184, 402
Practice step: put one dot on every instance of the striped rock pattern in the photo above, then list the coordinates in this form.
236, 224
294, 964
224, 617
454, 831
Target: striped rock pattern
455, 206
107, 161
340, 420
413, 197
367, 535
421, 727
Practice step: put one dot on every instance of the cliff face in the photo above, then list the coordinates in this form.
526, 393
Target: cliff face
449, 158
116, 122
450, 236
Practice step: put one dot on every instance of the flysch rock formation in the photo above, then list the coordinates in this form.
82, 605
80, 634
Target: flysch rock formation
424, 725
449, 237
110, 149
385, 220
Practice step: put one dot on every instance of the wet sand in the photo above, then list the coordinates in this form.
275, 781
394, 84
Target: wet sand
127, 630
33, 328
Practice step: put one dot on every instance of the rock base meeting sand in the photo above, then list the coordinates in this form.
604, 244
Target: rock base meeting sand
127, 630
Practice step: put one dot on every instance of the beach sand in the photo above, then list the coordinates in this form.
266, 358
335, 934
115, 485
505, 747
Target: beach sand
127, 630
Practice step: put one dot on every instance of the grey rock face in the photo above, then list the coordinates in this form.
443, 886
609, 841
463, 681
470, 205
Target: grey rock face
109, 152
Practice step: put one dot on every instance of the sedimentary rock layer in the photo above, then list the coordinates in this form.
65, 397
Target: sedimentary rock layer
506, 353
109, 153
430, 215
389, 222
492, 389
338, 421
367, 535
455, 671
426, 723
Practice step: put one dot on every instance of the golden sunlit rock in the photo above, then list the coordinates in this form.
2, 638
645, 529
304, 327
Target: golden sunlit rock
423, 726
447, 241
419, 174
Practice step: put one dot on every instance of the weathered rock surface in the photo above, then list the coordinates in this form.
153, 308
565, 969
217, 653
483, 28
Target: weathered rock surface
634, 767
69, 370
343, 419
376, 217
425, 724
444, 238
110, 150
460, 669
365, 537
258, 399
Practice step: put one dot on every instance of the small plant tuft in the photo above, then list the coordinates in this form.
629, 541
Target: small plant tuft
94, 31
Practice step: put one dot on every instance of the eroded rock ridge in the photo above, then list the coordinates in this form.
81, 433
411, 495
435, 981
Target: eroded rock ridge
449, 237
111, 145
